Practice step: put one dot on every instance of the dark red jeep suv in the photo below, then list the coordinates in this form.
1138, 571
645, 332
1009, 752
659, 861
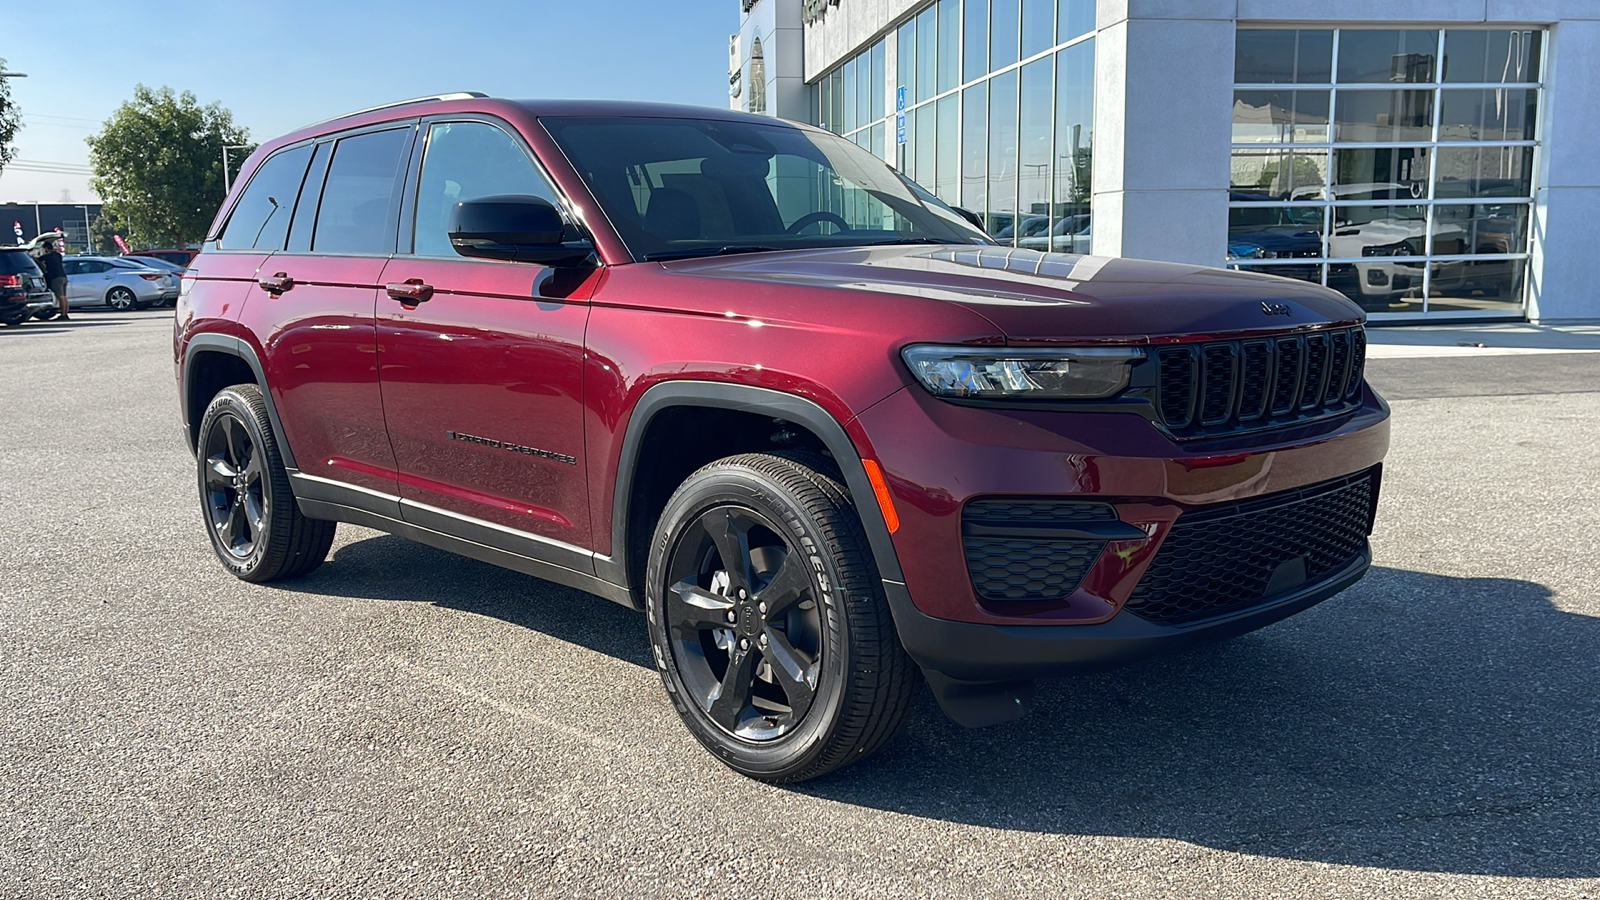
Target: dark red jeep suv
741, 375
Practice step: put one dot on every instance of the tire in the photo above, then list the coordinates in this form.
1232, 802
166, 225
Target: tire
247, 505
15, 319
816, 678
45, 315
122, 300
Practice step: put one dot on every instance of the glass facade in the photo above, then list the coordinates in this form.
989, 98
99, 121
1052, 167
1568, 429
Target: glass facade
1394, 165
999, 115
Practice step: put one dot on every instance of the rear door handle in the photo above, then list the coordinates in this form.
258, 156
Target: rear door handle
276, 284
409, 292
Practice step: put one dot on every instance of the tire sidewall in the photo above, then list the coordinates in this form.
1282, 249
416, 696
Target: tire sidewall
115, 292
233, 403
736, 485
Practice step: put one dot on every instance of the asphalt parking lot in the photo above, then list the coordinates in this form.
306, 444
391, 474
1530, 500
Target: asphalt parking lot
403, 722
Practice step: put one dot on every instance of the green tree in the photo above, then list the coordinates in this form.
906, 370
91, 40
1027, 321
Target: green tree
158, 164
10, 120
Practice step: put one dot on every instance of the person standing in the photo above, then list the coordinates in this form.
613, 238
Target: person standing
55, 275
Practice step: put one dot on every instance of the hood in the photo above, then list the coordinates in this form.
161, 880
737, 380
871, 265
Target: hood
1033, 296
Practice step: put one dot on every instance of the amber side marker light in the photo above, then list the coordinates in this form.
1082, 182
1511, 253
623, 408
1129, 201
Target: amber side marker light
881, 489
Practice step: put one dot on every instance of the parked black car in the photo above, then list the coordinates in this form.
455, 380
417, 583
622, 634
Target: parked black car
22, 288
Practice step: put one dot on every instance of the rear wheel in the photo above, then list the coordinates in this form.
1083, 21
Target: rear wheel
255, 527
16, 318
770, 627
45, 315
121, 299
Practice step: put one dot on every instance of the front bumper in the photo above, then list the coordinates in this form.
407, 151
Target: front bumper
938, 457
971, 652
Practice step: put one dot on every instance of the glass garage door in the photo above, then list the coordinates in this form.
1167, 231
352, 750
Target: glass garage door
1393, 165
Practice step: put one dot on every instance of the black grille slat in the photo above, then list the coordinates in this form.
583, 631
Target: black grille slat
1358, 363
1255, 375
1316, 371
1286, 385
1216, 561
1338, 367
1176, 394
1217, 371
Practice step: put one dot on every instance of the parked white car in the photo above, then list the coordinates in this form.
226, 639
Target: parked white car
118, 283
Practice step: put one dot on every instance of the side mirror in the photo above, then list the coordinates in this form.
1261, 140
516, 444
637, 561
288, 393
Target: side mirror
515, 227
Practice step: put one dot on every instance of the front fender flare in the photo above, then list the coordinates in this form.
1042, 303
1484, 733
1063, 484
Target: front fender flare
743, 398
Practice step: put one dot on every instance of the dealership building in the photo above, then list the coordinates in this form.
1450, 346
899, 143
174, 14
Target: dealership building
1434, 160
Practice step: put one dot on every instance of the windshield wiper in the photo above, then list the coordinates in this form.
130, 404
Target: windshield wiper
906, 240
727, 250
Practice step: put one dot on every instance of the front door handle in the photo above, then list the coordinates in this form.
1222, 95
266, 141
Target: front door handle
276, 284
409, 292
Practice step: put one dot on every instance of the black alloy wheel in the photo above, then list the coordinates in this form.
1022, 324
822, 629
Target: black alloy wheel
255, 526
236, 502
768, 619
744, 623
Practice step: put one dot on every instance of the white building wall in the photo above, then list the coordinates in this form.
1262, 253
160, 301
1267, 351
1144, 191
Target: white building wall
777, 24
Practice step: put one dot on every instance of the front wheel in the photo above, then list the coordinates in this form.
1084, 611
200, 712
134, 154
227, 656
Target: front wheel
250, 513
770, 626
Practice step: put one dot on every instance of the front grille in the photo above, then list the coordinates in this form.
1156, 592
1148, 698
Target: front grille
1008, 557
1232, 556
1221, 387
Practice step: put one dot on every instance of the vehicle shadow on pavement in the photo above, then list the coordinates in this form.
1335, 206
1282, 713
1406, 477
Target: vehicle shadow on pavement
1415, 722
384, 567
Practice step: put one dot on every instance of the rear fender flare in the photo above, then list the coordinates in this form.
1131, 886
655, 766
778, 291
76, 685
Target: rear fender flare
236, 347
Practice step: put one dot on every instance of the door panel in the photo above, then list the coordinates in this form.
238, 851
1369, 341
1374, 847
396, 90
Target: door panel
321, 358
483, 393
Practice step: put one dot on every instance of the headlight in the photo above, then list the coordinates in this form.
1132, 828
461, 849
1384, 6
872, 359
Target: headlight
1069, 373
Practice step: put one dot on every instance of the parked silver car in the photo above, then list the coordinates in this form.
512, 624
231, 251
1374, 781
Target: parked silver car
159, 265
117, 283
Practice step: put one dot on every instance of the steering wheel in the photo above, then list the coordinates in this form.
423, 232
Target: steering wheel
812, 218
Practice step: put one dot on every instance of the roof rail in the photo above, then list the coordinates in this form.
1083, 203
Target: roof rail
457, 95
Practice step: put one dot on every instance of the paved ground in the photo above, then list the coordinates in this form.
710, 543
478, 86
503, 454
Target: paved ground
404, 722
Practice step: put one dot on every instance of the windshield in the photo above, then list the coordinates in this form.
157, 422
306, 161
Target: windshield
676, 188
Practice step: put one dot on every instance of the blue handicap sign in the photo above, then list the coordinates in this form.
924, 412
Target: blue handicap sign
900, 129
900, 99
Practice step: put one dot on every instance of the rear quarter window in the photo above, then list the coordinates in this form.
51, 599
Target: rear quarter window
17, 262
260, 220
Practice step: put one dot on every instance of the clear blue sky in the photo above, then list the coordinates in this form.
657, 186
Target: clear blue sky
282, 64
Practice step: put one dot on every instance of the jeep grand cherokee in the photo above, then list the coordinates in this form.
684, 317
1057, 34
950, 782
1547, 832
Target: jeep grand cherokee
741, 375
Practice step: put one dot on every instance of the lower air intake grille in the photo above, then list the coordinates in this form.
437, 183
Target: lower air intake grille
1235, 555
1009, 560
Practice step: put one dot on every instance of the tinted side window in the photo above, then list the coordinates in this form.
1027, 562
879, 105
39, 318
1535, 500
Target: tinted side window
71, 267
467, 160
261, 219
359, 197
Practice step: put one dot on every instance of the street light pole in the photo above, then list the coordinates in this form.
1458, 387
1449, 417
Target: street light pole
227, 182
